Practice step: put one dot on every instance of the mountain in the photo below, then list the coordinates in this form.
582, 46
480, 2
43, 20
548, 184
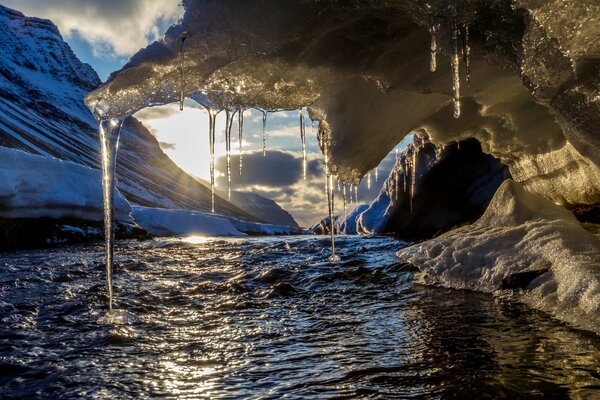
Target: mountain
42, 86
263, 208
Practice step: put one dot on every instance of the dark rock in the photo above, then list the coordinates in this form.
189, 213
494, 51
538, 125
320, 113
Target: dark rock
521, 280
22, 233
450, 191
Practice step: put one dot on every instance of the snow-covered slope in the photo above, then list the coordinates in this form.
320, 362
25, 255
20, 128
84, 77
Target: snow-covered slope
261, 207
520, 232
42, 86
33, 186
163, 222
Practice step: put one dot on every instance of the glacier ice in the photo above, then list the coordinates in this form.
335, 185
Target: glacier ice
520, 231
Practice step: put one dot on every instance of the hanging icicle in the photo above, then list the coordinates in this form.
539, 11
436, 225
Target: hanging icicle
212, 118
325, 143
184, 36
264, 132
240, 133
344, 199
466, 50
303, 140
413, 180
109, 130
433, 47
369, 180
377, 173
228, 124
455, 63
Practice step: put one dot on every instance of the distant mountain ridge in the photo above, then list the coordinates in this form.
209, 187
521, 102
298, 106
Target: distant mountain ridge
42, 86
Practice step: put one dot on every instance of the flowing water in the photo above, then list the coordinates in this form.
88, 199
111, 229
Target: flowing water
267, 318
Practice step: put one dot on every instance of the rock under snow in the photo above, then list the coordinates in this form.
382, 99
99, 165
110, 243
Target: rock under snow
519, 232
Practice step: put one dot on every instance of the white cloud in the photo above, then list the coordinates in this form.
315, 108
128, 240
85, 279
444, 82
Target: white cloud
114, 28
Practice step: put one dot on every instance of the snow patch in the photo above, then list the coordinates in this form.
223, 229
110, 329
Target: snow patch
168, 222
165, 222
33, 186
520, 231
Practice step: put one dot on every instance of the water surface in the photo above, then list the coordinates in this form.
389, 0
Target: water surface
268, 318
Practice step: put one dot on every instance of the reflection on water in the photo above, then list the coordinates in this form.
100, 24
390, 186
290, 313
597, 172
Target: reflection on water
266, 318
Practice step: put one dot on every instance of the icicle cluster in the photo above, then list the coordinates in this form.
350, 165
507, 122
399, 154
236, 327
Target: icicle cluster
459, 44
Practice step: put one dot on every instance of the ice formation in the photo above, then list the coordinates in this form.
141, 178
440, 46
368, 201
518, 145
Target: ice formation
531, 71
520, 231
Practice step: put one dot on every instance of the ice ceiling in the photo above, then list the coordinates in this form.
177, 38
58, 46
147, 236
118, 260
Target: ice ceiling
525, 74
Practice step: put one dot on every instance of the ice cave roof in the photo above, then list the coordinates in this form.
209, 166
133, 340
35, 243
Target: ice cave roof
363, 68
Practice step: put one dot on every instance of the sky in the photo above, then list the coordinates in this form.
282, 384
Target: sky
106, 33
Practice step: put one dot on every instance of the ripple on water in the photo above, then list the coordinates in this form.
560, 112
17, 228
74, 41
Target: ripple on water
267, 318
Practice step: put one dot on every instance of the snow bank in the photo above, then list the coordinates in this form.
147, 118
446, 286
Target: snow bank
164, 222
33, 186
519, 232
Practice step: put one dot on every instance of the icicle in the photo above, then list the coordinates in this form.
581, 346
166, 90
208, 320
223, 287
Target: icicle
330, 199
406, 170
184, 36
413, 179
303, 140
109, 130
356, 194
466, 48
396, 182
369, 181
264, 132
212, 123
377, 173
455, 64
433, 47
228, 124
344, 199
325, 142
240, 133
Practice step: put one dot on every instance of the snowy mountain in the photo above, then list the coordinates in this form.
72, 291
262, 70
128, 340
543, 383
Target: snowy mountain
42, 86
263, 208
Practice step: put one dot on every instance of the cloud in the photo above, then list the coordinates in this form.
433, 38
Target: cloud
114, 28
158, 112
278, 169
